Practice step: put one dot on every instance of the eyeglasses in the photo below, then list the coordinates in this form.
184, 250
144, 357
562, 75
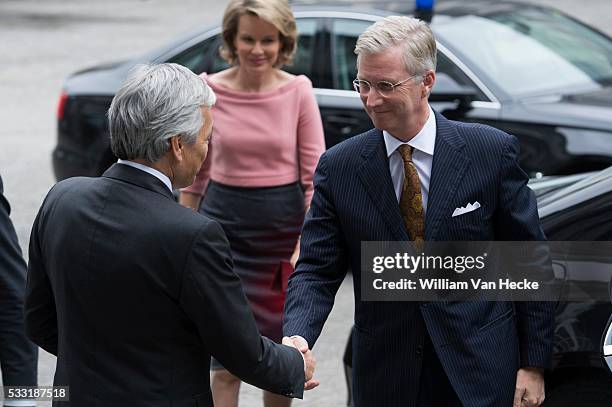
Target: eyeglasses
383, 87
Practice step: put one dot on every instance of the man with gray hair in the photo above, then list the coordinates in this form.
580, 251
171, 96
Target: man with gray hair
134, 292
403, 181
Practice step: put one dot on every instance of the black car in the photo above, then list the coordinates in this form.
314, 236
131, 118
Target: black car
581, 212
531, 71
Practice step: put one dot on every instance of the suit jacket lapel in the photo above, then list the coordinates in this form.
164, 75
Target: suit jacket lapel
448, 168
374, 174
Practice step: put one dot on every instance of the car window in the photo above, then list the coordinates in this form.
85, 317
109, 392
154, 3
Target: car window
204, 56
344, 37
217, 63
302, 61
197, 58
530, 52
445, 65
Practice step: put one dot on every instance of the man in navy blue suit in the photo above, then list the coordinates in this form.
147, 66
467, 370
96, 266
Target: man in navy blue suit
401, 181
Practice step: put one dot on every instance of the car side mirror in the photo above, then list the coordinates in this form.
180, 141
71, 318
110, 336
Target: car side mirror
451, 98
607, 344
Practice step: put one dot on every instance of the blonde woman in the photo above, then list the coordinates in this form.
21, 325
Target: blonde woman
257, 179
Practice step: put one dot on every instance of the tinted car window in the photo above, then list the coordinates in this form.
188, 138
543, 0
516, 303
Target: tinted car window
302, 61
531, 52
445, 65
217, 63
197, 58
344, 37
205, 55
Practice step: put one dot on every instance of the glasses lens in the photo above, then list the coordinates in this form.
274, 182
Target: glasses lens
361, 86
384, 87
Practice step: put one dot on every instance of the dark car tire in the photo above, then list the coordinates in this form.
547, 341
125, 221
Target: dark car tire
595, 391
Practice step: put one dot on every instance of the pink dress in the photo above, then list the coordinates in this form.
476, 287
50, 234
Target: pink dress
257, 181
264, 139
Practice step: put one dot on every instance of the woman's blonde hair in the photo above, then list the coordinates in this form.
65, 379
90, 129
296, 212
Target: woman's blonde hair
276, 12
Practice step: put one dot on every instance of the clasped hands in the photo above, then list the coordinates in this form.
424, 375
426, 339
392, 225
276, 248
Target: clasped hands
309, 360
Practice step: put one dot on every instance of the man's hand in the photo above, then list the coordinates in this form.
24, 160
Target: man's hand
309, 360
529, 387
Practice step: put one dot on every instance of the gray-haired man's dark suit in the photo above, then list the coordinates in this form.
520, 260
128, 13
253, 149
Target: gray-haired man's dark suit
134, 292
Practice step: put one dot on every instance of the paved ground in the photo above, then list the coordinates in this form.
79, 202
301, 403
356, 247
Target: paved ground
41, 42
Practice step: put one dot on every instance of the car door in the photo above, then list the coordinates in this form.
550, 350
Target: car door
341, 108
579, 325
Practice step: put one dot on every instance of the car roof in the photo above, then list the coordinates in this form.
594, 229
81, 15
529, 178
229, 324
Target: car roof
582, 188
186, 41
445, 7
99, 80
360, 9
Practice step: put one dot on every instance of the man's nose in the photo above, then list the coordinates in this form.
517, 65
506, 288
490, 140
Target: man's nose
373, 98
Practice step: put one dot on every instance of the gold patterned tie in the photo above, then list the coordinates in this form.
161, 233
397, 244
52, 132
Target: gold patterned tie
411, 200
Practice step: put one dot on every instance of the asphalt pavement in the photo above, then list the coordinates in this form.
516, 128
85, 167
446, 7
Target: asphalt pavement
41, 42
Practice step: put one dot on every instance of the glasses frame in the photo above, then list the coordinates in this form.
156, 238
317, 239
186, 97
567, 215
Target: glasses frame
357, 86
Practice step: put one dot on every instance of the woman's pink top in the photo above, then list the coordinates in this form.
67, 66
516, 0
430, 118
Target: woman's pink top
263, 139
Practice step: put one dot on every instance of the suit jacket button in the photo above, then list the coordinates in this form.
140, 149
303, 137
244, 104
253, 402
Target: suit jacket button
419, 350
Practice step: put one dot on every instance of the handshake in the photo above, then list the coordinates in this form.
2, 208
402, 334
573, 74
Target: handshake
309, 360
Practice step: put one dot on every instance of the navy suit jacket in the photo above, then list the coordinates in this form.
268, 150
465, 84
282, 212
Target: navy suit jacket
480, 344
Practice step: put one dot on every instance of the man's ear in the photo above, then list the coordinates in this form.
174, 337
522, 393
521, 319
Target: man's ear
176, 147
428, 82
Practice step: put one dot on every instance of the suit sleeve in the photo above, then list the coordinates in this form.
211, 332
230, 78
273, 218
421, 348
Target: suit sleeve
18, 356
40, 311
321, 267
213, 298
518, 220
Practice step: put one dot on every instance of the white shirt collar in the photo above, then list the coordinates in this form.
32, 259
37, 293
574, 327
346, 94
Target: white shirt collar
157, 174
424, 141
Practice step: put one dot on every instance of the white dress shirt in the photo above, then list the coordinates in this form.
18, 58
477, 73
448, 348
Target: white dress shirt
422, 157
157, 174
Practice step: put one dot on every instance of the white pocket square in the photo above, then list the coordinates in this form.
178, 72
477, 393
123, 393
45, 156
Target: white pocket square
465, 209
